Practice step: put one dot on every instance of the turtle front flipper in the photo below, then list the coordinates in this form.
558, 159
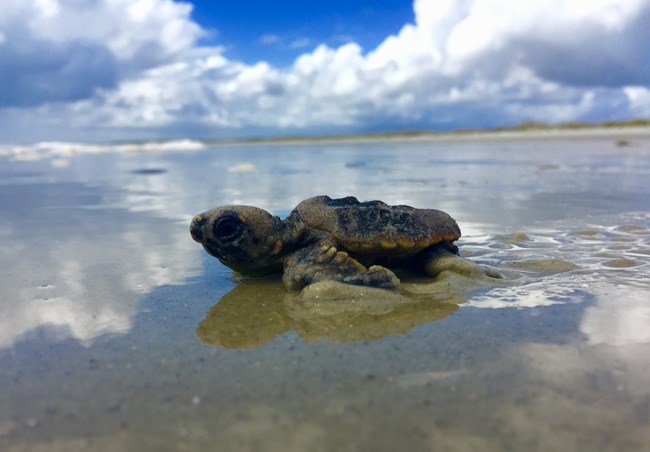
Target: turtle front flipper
325, 263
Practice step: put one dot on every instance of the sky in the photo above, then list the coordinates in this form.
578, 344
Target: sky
100, 70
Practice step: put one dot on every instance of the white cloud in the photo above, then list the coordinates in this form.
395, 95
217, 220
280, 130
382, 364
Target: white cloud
47, 8
122, 65
68, 50
270, 39
130, 29
300, 43
639, 98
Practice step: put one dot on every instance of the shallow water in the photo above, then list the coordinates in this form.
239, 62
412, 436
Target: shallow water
117, 332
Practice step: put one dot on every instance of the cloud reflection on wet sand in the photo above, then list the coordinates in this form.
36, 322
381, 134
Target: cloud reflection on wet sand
104, 288
79, 273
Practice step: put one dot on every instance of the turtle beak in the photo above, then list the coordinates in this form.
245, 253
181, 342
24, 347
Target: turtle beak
195, 228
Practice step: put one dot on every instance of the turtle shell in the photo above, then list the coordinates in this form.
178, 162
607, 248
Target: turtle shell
376, 229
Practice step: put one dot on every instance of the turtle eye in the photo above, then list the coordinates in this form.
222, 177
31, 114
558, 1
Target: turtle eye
227, 228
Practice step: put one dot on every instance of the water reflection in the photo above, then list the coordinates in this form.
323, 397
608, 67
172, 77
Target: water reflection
83, 241
619, 318
572, 266
96, 254
256, 311
76, 271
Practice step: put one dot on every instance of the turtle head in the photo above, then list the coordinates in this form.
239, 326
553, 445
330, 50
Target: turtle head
244, 238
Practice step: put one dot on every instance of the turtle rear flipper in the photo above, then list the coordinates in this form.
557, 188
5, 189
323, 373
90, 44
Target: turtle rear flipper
438, 259
325, 263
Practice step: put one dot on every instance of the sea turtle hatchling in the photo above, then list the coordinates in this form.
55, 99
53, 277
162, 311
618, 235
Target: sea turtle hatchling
332, 239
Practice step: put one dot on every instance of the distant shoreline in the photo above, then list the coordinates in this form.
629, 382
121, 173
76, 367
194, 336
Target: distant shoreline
623, 133
528, 130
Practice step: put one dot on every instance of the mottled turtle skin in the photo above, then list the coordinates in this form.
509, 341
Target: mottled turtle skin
327, 239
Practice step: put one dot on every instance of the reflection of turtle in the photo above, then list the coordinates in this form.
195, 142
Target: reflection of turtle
258, 310
330, 239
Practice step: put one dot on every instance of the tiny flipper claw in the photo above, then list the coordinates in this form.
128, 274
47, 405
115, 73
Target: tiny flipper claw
376, 276
324, 263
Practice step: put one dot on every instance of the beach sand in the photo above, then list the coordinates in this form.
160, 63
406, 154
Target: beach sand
118, 332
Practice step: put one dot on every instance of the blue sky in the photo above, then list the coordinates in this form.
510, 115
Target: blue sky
147, 69
280, 31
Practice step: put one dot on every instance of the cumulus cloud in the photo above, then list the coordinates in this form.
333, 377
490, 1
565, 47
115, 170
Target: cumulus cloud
68, 50
639, 99
461, 63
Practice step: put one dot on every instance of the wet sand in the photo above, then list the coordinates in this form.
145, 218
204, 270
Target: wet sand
118, 332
